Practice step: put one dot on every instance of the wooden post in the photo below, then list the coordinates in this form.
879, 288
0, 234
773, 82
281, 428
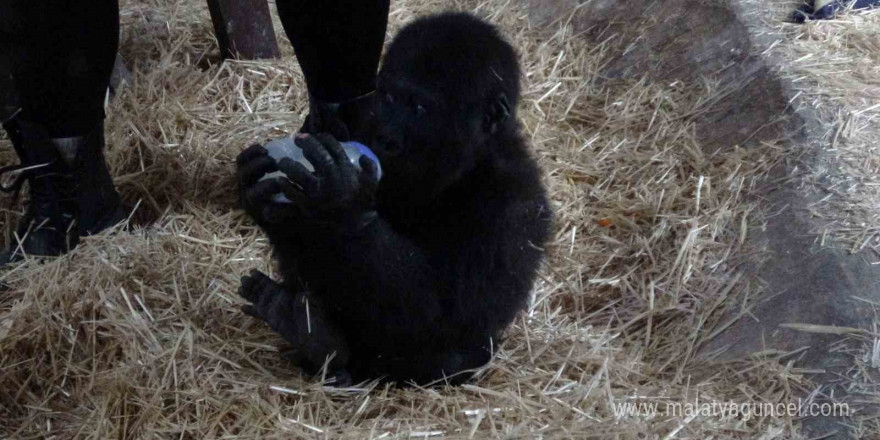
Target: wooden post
244, 29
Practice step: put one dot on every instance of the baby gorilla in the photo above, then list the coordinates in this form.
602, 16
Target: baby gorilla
414, 278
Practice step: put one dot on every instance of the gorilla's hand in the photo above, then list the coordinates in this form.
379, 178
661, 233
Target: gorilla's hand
337, 191
255, 195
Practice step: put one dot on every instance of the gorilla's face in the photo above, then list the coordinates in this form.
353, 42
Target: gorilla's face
447, 88
424, 138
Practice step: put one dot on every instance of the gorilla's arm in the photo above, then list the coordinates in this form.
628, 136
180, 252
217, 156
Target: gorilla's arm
333, 237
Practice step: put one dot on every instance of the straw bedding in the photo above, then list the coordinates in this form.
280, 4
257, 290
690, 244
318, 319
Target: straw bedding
838, 69
138, 333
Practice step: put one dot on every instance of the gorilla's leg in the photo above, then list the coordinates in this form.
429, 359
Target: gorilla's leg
450, 366
301, 319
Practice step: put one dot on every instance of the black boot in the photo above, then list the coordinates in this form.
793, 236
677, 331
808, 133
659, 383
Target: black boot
346, 121
71, 191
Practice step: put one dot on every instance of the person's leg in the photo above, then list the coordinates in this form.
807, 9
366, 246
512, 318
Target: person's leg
8, 97
63, 53
62, 56
338, 44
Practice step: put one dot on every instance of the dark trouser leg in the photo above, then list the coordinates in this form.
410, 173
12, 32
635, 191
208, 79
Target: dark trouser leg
338, 44
62, 55
8, 96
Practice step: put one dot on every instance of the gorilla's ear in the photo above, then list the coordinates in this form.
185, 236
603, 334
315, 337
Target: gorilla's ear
499, 111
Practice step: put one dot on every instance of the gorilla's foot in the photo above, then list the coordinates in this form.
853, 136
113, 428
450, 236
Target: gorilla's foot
269, 301
301, 319
71, 193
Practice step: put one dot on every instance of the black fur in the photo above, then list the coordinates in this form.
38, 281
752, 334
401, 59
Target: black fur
422, 274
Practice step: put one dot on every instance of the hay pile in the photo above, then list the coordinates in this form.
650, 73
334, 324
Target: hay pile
138, 333
838, 64
835, 66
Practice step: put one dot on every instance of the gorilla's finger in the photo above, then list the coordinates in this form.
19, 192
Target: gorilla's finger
369, 169
260, 278
280, 213
317, 155
253, 170
299, 175
334, 148
266, 290
251, 153
294, 193
271, 306
262, 191
246, 290
251, 311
